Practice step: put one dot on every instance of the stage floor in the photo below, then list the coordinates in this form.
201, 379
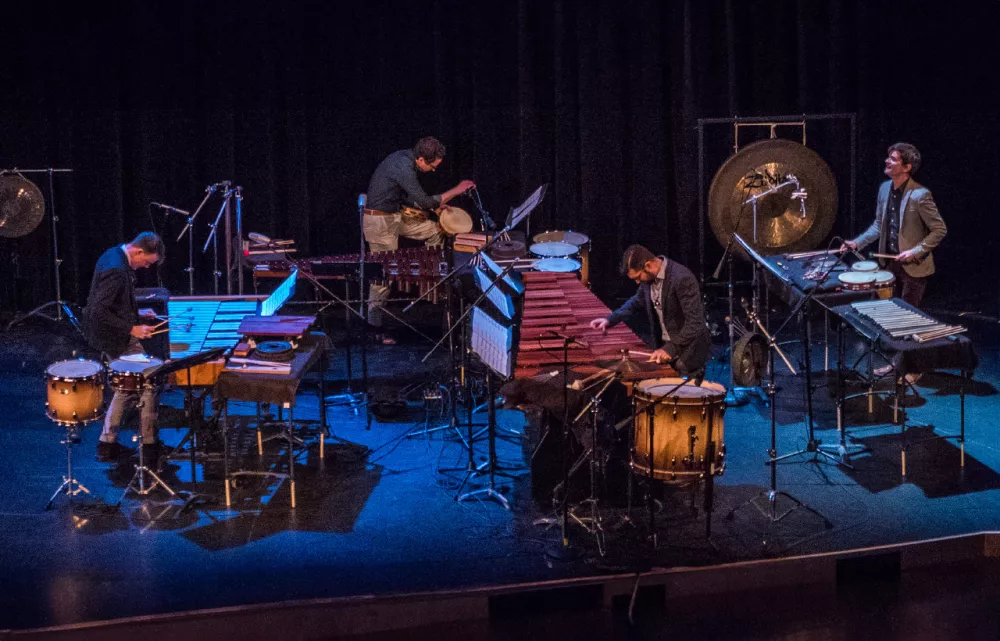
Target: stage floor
377, 517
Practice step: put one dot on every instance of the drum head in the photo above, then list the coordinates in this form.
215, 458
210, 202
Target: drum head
884, 278
557, 265
554, 249
657, 387
857, 278
454, 220
865, 266
571, 237
130, 365
73, 369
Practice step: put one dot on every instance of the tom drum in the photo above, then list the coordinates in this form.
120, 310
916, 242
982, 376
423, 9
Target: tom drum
75, 392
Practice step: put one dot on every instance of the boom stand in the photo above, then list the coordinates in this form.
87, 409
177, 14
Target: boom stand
213, 238
189, 230
770, 509
62, 307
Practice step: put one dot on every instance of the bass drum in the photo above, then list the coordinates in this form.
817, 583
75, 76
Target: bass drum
75, 392
680, 428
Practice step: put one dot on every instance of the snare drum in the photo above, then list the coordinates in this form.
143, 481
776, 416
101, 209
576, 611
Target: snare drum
125, 374
582, 241
865, 266
680, 428
884, 282
857, 281
564, 265
75, 392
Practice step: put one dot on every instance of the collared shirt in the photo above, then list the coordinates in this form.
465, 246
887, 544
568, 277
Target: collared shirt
656, 295
395, 184
892, 213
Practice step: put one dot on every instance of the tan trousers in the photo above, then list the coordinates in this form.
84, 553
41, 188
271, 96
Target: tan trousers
382, 234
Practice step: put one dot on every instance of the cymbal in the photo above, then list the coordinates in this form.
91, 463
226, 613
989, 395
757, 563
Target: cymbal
22, 206
781, 228
629, 368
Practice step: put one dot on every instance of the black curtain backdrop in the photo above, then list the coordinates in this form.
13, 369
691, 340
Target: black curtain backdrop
298, 101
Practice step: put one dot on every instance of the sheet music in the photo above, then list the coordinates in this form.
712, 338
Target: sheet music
493, 342
279, 296
512, 279
500, 299
521, 212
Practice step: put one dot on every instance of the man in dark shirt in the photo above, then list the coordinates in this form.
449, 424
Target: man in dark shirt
907, 224
393, 186
111, 326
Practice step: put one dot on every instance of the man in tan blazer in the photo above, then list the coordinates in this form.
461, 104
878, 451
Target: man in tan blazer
907, 224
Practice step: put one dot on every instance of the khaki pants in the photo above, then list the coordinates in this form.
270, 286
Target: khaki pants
382, 234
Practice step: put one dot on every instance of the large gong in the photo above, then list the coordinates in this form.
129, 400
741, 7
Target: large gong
780, 227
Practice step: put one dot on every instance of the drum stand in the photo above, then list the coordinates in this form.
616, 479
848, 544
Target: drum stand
70, 486
138, 481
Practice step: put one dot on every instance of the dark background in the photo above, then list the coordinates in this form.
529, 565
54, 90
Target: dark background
298, 101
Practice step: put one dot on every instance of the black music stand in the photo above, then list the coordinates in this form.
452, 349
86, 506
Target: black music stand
497, 358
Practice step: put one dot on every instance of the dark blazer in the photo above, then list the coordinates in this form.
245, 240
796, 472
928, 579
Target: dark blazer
920, 227
111, 309
683, 314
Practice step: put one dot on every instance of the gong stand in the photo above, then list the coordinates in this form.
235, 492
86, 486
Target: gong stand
61, 306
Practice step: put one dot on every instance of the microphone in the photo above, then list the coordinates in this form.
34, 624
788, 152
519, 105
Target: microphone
171, 209
799, 194
362, 200
568, 338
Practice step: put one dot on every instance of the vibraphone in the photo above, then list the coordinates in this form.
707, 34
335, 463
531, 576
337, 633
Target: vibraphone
413, 270
899, 322
555, 302
199, 323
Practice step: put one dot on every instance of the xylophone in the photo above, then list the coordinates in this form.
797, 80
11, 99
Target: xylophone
559, 302
413, 270
899, 322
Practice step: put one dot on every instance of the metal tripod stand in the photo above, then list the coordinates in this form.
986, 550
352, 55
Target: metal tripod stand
61, 307
70, 486
138, 482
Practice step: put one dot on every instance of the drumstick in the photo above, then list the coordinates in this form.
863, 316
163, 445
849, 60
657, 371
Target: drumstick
159, 332
892, 256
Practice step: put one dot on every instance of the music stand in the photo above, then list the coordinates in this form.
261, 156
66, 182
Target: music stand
61, 306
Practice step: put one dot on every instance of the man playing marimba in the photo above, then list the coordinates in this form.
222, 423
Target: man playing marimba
671, 299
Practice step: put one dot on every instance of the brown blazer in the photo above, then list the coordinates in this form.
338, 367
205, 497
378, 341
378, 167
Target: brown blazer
920, 226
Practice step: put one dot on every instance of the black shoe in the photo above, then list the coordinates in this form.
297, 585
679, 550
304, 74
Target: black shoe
110, 452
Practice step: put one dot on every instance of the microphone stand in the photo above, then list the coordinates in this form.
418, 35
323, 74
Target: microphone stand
213, 238
188, 228
488, 224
